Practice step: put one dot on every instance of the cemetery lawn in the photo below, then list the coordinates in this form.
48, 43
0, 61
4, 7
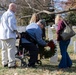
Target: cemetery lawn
46, 68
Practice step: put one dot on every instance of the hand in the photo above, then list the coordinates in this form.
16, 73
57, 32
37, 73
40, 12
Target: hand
18, 34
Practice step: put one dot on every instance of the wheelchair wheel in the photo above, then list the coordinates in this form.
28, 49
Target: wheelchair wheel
25, 61
20, 62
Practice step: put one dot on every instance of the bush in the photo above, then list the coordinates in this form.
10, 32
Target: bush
71, 18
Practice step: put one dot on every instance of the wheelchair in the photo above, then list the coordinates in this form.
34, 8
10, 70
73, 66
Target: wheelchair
22, 55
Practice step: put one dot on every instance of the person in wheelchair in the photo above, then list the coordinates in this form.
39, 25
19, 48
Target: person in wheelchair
33, 36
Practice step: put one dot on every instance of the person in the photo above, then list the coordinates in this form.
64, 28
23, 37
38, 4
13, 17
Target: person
34, 30
34, 19
65, 62
8, 29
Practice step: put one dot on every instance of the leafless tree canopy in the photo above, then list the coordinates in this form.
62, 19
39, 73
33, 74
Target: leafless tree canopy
30, 6
27, 7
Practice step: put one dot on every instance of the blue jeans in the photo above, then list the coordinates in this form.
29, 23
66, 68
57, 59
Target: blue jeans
65, 60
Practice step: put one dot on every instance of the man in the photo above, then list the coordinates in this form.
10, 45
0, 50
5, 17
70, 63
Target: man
33, 36
8, 31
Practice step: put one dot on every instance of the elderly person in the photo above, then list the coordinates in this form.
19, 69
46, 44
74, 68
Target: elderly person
34, 31
8, 33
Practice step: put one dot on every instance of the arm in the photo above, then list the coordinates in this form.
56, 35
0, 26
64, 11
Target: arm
61, 26
39, 37
18, 34
12, 24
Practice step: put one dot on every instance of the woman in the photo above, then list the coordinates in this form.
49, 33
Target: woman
63, 45
35, 18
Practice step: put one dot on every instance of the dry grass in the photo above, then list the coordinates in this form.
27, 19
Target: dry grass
46, 68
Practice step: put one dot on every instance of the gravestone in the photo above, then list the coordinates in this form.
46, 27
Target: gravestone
54, 59
0, 44
71, 42
74, 46
21, 28
50, 33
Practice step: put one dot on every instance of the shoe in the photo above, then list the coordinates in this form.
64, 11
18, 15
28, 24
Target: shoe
12, 66
5, 65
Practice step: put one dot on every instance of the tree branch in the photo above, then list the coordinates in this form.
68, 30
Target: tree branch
32, 7
60, 12
47, 12
3, 7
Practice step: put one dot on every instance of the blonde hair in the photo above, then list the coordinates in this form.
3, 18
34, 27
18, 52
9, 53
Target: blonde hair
58, 18
34, 18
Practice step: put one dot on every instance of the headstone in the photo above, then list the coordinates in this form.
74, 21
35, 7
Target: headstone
54, 26
54, 59
71, 42
74, 46
21, 28
50, 33
0, 44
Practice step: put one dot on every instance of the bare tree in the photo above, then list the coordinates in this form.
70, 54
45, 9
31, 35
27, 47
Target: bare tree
27, 7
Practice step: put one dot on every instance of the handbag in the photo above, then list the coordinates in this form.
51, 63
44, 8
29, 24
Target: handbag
68, 32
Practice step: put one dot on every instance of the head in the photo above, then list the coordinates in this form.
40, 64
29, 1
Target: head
58, 18
34, 18
12, 7
41, 23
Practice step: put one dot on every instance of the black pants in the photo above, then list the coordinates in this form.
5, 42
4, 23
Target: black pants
33, 50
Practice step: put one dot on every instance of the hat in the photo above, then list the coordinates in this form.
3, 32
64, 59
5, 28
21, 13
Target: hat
43, 22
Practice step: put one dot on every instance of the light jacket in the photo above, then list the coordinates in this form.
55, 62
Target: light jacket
8, 25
